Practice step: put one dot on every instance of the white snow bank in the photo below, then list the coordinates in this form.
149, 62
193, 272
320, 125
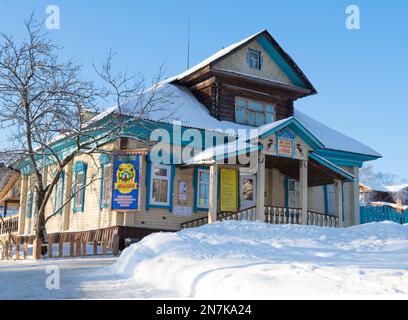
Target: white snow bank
257, 260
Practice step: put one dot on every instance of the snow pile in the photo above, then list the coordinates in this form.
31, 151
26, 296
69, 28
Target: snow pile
257, 260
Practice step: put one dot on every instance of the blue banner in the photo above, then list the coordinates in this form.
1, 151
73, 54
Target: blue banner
125, 188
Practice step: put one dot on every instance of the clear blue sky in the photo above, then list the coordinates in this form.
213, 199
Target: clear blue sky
361, 75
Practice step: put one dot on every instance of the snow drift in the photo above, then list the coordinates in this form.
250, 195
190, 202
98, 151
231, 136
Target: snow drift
257, 260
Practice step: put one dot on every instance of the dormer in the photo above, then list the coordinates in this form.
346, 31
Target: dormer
251, 82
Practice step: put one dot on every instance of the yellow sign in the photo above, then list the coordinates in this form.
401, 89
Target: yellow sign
228, 190
125, 177
285, 147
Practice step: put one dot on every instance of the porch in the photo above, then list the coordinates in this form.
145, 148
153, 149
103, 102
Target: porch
288, 149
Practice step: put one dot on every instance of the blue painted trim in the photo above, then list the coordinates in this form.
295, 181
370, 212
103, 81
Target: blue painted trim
147, 182
326, 199
195, 182
148, 190
299, 130
342, 158
60, 201
281, 62
172, 175
105, 159
79, 167
286, 184
331, 166
103, 205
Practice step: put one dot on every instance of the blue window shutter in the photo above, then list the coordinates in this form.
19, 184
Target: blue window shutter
247, 56
172, 174
148, 177
62, 190
261, 61
101, 204
79, 166
326, 199
195, 186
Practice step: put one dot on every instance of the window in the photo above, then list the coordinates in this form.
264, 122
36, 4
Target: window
160, 185
79, 186
30, 198
330, 199
59, 193
254, 59
29, 206
254, 113
203, 188
106, 185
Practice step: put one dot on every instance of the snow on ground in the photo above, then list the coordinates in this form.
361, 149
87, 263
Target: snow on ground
250, 260
257, 260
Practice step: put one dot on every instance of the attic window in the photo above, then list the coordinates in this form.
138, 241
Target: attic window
254, 59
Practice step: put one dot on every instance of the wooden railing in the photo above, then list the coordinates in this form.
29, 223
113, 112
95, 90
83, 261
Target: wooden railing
281, 215
73, 248
322, 220
248, 214
8, 224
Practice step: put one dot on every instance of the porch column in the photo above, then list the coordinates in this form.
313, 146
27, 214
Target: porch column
356, 195
23, 204
338, 199
303, 168
260, 190
213, 205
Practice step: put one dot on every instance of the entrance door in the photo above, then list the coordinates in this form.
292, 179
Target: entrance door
294, 195
247, 191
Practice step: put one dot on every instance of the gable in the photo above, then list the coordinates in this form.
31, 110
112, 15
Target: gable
285, 143
237, 62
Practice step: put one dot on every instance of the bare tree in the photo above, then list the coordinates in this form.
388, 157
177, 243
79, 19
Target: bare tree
43, 101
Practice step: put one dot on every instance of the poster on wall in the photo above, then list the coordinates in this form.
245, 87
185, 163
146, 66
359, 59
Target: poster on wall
285, 147
228, 190
125, 188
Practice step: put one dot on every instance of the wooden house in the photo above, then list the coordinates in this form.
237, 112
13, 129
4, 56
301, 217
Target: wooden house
299, 170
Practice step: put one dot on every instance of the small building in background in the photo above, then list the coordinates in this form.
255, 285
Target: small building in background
395, 196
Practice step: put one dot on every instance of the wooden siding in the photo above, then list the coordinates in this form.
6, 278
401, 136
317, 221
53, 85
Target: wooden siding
237, 62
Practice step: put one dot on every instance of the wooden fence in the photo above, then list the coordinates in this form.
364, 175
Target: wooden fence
11, 250
378, 214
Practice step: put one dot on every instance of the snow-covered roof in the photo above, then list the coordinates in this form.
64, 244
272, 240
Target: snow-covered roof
388, 204
219, 54
332, 139
219, 152
392, 188
191, 113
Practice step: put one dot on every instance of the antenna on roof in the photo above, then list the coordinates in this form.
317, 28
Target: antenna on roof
188, 44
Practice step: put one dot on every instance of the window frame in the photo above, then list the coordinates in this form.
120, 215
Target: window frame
254, 59
79, 168
168, 178
247, 110
330, 195
58, 201
104, 203
197, 190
